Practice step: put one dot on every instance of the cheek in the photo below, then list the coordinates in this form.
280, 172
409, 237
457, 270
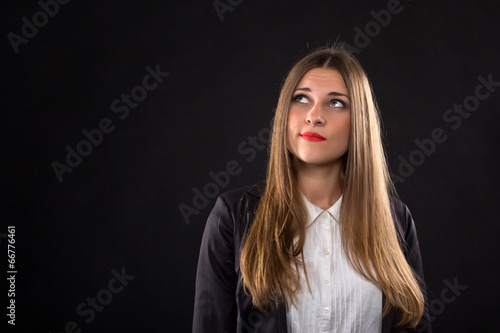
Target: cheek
292, 119
291, 128
339, 123
345, 126
343, 129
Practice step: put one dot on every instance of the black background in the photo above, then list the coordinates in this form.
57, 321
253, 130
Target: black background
119, 208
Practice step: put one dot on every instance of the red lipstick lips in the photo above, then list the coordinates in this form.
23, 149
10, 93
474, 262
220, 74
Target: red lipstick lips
311, 136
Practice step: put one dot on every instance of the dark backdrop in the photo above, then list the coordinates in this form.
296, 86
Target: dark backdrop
101, 243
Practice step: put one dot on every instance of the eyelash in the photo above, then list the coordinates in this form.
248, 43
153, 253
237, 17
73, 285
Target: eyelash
295, 97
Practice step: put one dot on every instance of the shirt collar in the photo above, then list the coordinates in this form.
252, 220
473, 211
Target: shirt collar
314, 211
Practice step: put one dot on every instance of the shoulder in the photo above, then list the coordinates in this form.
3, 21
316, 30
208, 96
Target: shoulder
401, 215
241, 199
405, 228
234, 210
252, 191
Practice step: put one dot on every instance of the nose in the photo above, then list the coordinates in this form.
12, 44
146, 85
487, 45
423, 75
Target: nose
315, 116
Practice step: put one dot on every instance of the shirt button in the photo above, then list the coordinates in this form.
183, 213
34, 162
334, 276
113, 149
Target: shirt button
326, 252
326, 309
327, 282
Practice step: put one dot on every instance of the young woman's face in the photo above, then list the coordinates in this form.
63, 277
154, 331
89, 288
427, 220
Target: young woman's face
319, 118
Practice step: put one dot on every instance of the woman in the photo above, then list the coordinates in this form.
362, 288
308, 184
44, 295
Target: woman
321, 246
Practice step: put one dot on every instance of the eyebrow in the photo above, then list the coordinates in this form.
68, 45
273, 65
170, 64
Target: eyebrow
332, 93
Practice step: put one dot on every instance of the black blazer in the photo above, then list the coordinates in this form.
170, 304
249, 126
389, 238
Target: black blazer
220, 303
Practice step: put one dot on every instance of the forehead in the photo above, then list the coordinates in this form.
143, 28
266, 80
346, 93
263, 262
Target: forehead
323, 79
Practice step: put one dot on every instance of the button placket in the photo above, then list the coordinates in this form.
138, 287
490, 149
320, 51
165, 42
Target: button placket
326, 269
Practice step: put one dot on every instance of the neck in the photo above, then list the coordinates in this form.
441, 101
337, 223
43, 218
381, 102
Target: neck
320, 184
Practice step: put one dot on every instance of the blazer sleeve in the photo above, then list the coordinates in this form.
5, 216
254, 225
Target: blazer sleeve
411, 250
215, 307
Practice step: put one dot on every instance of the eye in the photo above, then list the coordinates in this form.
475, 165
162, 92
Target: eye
337, 103
300, 98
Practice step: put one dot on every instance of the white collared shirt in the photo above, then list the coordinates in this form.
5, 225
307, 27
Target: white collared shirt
341, 299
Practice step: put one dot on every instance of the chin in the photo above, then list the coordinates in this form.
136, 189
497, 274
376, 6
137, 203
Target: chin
319, 158
318, 161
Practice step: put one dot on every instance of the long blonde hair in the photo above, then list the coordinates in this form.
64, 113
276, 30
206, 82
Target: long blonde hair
273, 249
